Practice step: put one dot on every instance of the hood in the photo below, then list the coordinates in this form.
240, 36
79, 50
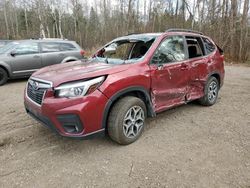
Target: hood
76, 70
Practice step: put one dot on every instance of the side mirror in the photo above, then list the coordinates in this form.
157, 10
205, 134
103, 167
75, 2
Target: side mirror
13, 53
111, 49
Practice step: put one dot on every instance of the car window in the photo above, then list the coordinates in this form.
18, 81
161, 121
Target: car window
2, 43
67, 47
195, 47
50, 47
8, 47
139, 49
170, 50
27, 48
209, 46
121, 52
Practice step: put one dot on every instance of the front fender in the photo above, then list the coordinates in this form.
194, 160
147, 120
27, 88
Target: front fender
7, 67
118, 94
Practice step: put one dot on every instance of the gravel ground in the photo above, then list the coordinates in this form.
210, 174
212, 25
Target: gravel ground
189, 146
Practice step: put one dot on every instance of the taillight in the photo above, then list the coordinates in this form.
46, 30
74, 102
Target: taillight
82, 52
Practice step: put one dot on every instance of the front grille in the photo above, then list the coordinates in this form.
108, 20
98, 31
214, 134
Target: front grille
36, 90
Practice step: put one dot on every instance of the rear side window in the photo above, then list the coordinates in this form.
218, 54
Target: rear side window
50, 47
195, 47
67, 47
209, 46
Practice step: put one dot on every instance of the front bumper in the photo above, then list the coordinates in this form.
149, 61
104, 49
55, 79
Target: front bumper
76, 117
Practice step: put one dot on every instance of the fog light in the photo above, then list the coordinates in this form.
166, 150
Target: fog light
71, 123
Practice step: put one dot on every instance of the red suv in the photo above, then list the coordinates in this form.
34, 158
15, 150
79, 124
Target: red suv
129, 79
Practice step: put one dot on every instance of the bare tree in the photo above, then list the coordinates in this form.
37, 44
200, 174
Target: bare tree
95, 22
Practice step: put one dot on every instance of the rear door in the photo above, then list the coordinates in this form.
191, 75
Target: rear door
169, 73
51, 53
25, 59
199, 67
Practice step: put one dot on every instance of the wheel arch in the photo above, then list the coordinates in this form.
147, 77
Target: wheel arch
6, 69
217, 76
69, 59
136, 91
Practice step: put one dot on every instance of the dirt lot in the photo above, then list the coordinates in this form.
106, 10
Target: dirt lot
190, 146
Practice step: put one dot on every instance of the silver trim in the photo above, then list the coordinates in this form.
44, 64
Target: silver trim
23, 71
133, 122
39, 80
93, 132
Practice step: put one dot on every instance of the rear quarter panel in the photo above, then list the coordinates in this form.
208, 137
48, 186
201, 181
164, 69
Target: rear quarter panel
216, 65
72, 55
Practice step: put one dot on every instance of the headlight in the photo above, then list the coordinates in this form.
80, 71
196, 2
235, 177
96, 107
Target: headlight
80, 88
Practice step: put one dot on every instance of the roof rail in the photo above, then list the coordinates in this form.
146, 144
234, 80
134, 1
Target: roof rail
48, 38
184, 30
132, 34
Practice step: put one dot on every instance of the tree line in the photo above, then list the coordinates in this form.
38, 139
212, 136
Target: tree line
92, 23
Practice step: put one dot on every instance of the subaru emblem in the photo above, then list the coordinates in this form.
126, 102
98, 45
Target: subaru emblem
34, 85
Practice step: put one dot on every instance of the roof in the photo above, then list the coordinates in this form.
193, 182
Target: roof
45, 40
184, 31
145, 37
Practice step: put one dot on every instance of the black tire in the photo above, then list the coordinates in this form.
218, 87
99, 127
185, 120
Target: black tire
117, 125
3, 76
211, 92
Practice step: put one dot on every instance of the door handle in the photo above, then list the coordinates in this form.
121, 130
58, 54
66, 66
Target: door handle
184, 66
36, 56
159, 67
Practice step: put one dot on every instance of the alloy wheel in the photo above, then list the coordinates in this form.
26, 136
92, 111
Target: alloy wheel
133, 121
212, 91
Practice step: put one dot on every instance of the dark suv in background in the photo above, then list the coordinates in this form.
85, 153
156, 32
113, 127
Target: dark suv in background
129, 79
22, 58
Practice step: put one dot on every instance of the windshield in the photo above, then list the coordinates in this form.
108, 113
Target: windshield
123, 51
7, 47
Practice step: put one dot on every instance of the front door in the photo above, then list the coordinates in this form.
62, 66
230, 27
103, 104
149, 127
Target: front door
25, 59
169, 73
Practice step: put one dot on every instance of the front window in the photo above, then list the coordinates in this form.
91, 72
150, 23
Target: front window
27, 48
124, 51
170, 50
7, 47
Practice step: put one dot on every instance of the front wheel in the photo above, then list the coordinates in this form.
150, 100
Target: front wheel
3, 76
211, 92
126, 120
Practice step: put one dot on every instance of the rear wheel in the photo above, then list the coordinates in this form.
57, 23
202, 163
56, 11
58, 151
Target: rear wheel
3, 76
126, 120
211, 92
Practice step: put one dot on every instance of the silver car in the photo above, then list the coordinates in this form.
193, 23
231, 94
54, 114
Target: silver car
4, 42
21, 58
